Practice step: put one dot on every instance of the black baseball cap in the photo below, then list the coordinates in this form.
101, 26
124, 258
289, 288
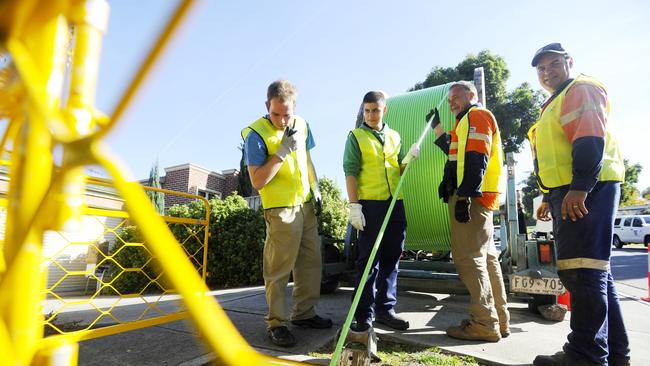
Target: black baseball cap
549, 48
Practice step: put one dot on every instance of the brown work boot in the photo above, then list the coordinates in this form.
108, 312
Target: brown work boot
468, 331
504, 329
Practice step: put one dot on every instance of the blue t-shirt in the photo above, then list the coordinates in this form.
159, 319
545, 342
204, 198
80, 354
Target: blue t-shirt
255, 153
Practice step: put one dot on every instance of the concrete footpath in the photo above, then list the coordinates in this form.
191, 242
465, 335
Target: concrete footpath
429, 315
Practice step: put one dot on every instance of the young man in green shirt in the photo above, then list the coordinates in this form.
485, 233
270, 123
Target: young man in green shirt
373, 164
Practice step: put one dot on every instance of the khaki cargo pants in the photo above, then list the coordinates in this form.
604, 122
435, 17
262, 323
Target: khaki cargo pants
477, 262
292, 244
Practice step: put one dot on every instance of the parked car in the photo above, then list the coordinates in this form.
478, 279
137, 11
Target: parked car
631, 229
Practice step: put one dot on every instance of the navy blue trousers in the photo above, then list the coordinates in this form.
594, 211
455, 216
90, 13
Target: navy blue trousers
380, 290
597, 330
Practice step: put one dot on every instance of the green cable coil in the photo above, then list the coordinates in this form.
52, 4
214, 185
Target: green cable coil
426, 215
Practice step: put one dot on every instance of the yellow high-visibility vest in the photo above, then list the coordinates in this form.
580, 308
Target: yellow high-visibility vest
380, 169
290, 185
553, 151
492, 181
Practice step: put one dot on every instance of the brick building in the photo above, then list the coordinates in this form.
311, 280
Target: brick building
193, 179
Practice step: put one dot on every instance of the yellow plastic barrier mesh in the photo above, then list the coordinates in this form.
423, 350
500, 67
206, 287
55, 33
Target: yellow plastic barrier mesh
105, 275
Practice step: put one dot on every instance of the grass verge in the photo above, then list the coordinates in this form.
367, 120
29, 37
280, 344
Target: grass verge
399, 354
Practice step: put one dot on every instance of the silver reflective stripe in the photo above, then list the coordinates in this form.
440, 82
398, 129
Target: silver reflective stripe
453, 157
480, 136
454, 145
590, 263
571, 116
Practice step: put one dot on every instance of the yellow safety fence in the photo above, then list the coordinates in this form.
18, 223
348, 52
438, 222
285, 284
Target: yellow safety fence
49, 57
104, 279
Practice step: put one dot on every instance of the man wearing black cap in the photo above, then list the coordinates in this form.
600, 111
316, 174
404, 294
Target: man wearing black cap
579, 168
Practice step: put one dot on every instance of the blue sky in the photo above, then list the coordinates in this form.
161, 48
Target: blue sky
212, 81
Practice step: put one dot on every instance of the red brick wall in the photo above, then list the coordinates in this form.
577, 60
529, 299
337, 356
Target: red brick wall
231, 182
177, 180
191, 179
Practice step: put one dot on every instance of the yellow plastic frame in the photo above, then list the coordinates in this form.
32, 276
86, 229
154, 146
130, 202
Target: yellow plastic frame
46, 112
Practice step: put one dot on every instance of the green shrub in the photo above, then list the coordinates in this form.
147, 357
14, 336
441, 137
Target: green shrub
136, 268
235, 244
333, 222
236, 241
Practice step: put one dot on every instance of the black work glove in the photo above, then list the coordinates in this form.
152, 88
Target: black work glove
461, 211
447, 185
436, 117
443, 140
443, 193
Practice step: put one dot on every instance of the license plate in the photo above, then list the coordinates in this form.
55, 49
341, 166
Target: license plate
547, 286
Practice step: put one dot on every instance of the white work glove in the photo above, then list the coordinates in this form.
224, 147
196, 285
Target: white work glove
413, 154
356, 216
288, 144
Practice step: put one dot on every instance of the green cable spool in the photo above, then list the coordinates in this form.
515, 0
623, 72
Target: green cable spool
427, 216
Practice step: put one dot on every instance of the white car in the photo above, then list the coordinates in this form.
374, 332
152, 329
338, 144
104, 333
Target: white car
631, 229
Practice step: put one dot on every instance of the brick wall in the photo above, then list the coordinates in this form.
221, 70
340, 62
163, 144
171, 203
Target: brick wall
191, 178
215, 183
176, 180
230, 181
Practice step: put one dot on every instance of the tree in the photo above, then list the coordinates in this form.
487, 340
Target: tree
529, 191
515, 111
629, 193
517, 114
157, 198
244, 186
334, 218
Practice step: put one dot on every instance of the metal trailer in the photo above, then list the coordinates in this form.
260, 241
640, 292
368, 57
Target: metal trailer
528, 265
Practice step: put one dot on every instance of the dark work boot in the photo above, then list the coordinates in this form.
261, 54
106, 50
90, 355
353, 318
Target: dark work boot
560, 359
392, 320
618, 361
281, 336
315, 322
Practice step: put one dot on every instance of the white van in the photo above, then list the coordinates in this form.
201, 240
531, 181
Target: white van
631, 229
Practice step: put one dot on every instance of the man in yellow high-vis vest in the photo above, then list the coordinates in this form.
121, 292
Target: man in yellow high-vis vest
276, 151
471, 185
372, 162
579, 168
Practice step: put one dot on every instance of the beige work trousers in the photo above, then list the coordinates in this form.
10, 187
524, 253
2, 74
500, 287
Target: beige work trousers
292, 244
477, 262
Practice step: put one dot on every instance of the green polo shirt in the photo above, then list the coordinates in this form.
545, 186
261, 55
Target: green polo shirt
352, 153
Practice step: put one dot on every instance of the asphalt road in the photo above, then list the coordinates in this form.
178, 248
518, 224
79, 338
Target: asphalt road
630, 270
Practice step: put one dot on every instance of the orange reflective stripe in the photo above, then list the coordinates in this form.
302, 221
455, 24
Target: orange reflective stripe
584, 112
479, 142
